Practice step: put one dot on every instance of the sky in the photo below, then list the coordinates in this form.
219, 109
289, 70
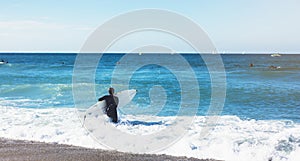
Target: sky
234, 26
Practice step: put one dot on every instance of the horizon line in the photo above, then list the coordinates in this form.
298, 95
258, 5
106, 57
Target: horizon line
118, 52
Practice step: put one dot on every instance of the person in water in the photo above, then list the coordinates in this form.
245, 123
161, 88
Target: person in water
111, 105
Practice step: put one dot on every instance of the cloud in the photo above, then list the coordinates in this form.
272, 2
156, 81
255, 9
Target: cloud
32, 35
29, 24
85, 28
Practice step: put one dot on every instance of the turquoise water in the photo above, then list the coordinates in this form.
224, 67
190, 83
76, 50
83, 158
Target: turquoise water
261, 93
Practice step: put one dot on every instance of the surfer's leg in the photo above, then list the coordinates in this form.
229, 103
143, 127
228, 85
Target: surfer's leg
114, 115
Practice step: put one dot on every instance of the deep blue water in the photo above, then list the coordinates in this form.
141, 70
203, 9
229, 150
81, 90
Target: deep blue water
258, 92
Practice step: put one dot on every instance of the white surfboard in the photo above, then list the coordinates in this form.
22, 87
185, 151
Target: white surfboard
95, 113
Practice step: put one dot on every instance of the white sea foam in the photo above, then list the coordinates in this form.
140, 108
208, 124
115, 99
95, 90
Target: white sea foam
47, 125
230, 139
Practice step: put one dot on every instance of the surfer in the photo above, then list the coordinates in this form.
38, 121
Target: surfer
111, 105
274, 67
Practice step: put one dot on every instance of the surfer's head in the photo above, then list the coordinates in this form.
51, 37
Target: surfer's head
111, 91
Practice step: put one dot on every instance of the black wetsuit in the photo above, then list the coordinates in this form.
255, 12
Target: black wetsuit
111, 106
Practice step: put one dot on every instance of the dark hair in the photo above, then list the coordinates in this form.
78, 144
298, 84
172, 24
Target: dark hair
111, 91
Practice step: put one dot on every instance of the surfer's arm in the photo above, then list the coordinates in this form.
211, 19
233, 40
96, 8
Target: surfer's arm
101, 98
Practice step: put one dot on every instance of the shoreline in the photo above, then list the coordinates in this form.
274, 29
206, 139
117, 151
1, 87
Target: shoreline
32, 150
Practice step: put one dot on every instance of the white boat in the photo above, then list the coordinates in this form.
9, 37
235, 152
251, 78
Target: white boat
275, 55
3, 62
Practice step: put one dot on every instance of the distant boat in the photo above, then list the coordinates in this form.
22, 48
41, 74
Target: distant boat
3, 62
275, 55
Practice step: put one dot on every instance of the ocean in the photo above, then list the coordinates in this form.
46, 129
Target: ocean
259, 120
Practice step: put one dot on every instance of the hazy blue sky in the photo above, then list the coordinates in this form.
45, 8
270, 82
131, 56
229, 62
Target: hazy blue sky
233, 26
